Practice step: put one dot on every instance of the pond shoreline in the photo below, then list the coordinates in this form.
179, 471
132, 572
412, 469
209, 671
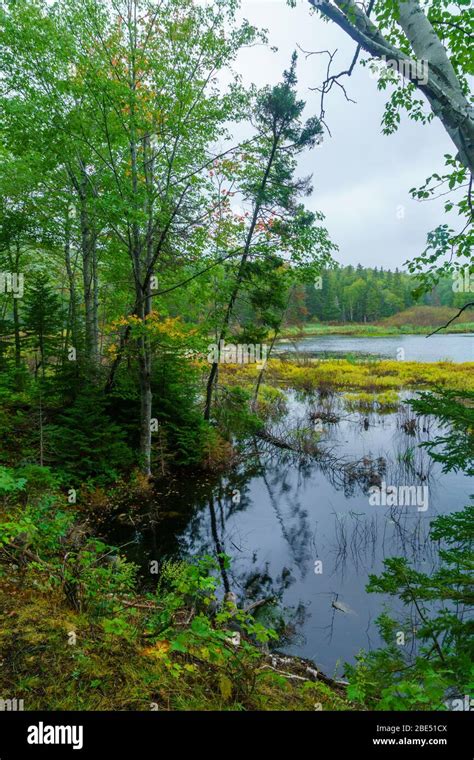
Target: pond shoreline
369, 331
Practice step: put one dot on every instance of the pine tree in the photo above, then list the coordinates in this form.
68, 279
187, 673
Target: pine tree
43, 321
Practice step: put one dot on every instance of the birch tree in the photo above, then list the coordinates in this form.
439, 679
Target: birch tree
407, 33
426, 48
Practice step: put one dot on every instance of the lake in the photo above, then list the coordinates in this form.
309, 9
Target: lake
304, 531
457, 347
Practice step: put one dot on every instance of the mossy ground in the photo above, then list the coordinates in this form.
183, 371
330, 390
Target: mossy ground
105, 672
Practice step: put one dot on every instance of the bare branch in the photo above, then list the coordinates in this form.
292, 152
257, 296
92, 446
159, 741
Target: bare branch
443, 327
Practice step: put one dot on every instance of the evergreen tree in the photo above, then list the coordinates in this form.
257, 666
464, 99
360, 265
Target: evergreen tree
43, 321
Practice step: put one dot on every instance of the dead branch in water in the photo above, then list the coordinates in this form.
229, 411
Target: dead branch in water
343, 473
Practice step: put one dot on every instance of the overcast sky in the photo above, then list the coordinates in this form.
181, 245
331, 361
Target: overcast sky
361, 177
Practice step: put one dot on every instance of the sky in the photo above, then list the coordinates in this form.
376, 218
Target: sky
361, 177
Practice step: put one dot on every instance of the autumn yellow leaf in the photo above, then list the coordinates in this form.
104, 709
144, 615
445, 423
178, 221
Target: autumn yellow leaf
158, 650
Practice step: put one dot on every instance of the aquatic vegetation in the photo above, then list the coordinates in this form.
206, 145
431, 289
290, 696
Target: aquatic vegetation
271, 402
438, 669
407, 456
376, 375
362, 401
430, 676
380, 330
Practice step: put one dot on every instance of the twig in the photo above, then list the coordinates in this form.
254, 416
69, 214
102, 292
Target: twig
443, 327
141, 605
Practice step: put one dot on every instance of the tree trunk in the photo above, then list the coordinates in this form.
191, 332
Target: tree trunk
222, 336
91, 301
240, 276
16, 323
272, 345
144, 379
454, 111
89, 266
71, 328
16, 327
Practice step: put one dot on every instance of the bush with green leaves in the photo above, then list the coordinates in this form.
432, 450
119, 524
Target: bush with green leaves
191, 621
48, 543
176, 401
454, 448
233, 413
10, 482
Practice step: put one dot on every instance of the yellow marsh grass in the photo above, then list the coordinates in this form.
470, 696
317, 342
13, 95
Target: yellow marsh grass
340, 374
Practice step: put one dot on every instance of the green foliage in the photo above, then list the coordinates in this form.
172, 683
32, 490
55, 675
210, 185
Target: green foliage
9, 482
361, 294
233, 414
39, 479
392, 679
176, 399
455, 448
85, 443
54, 548
208, 638
176, 643
43, 319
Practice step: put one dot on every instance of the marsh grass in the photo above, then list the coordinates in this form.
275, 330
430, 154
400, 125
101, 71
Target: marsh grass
372, 376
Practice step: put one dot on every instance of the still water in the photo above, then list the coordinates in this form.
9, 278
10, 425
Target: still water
455, 347
303, 530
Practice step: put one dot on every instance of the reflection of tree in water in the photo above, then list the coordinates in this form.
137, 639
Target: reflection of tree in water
248, 578
360, 538
278, 477
212, 521
304, 450
257, 584
410, 464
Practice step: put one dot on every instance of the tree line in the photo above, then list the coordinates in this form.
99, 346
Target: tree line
364, 294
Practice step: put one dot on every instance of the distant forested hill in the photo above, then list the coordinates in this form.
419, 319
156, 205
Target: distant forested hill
358, 294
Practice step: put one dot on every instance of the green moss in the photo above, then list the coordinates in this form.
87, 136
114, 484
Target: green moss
104, 671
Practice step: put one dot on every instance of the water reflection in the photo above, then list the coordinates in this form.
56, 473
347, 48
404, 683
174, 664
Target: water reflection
457, 347
301, 529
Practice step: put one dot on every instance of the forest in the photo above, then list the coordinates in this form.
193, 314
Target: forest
201, 391
363, 295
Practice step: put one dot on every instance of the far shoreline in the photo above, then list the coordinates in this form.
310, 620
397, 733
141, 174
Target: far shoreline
368, 330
